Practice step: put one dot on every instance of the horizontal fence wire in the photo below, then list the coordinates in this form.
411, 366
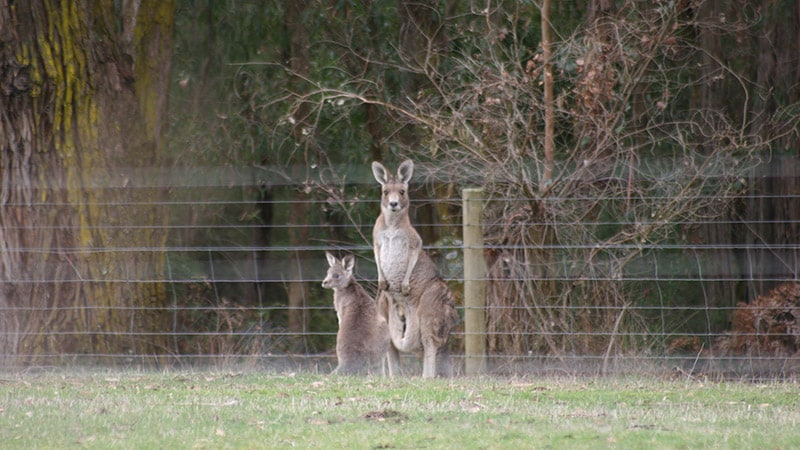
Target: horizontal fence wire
230, 280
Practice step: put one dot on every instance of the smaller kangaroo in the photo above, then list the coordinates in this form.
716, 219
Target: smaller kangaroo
362, 341
411, 294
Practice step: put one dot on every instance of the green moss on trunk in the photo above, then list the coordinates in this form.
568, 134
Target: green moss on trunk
87, 118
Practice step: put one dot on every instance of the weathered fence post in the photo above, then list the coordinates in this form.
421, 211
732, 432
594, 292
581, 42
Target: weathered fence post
474, 283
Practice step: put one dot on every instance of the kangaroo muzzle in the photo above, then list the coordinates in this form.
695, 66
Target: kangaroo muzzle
394, 202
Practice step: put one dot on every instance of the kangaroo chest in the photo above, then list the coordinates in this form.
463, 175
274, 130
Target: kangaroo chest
394, 251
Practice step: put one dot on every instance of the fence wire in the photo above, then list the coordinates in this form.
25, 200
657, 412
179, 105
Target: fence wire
228, 276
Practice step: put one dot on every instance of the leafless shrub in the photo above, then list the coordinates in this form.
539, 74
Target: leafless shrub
636, 156
223, 331
767, 327
633, 163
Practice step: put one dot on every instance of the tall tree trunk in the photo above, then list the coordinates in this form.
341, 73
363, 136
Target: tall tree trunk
721, 263
299, 63
83, 92
772, 210
549, 102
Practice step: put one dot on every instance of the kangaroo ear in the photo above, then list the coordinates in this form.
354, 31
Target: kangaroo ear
348, 262
331, 259
380, 172
405, 171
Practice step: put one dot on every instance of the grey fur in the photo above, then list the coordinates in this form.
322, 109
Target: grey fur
363, 337
412, 296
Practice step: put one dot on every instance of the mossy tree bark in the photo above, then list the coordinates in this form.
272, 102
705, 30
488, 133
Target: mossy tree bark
83, 94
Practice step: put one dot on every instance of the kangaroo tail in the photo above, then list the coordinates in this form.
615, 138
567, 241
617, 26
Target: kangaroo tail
403, 324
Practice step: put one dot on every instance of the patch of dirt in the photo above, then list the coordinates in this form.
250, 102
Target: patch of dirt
385, 414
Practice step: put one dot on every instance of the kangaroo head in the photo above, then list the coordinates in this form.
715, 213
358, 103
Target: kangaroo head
395, 188
340, 272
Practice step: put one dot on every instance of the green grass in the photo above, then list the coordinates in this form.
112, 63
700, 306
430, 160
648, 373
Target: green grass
259, 410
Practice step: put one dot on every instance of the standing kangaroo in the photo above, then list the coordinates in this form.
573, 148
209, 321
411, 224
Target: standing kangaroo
363, 338
411, 294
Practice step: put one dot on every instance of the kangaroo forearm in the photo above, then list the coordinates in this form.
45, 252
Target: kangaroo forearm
377, 251
412, 261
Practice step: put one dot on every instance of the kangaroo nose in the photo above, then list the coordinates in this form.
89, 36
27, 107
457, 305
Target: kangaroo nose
393, 204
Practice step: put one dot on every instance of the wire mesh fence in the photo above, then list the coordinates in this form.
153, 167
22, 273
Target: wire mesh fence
237, 286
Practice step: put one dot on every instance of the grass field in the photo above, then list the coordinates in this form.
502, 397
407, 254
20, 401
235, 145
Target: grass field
104, 409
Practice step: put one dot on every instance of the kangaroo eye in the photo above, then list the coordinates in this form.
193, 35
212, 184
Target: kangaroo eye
386, 192
402, 192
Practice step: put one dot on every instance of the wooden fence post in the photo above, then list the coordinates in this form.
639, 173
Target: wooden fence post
474, 283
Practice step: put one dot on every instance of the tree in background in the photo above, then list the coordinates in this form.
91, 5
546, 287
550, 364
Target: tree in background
236, 63
83, 88
636, 154
659, 118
